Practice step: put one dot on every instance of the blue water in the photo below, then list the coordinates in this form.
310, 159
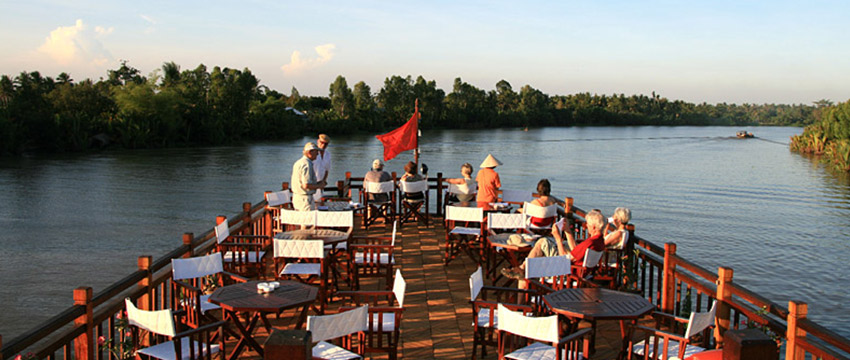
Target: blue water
777, 218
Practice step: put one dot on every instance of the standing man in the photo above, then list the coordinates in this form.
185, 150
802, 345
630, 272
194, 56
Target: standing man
303, 182
322, 164
488, 180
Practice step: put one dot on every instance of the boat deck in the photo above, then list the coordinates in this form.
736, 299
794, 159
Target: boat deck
438, 317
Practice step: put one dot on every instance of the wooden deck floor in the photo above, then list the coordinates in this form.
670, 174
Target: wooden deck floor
438, 317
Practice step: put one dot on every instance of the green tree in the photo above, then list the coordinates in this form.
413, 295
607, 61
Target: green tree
342, 100
397, 99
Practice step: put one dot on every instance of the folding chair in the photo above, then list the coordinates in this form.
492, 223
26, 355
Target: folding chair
304, 261
385, 311
500, 227
453, 190
411, 205
464, 237
371, 256
610, 269
294, 219
485, 316
192, 344
342, 327
549, 344
242, 254
589, 264
378, 209
337, 253
192, 280
673, 345
516, 197
543, 212
275, 201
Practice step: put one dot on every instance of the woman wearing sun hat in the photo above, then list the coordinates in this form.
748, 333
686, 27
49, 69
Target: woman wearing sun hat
488, 180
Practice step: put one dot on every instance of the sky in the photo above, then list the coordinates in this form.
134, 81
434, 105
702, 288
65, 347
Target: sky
783, 52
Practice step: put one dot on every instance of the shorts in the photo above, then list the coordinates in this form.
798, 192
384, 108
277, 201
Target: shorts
303, 202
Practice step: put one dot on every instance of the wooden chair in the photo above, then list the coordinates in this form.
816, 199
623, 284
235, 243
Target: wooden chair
516, 197
342, 327
484, 301
671, 343
453, 190
293, 219
378, 209
242, 254
304, 261
385, 311
414, 207
372, 256
192, 281
275, 201
462, 235
543, 212
610, 268
589, 264
544, 330
337, 255
192, 344
500, 228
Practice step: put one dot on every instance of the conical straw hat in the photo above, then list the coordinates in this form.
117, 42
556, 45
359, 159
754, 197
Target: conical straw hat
490, 161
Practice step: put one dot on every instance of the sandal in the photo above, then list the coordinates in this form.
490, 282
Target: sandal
513, 273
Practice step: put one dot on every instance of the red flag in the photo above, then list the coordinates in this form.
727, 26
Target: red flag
401, 139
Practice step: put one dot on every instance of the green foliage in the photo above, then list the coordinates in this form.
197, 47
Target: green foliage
829, 136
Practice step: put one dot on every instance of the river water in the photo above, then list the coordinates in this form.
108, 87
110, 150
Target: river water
777, 218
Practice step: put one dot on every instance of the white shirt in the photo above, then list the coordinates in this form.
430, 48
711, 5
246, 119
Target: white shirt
322, 164
302, 173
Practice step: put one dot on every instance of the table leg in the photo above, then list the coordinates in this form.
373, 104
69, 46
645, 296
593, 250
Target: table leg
247, 339
302, 317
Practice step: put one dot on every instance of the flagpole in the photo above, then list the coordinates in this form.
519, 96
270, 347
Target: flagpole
418, 118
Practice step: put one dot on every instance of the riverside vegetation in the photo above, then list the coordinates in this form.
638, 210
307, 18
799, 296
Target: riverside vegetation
828, 137
171, 108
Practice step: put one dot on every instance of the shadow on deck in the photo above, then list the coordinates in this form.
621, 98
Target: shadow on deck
437, 321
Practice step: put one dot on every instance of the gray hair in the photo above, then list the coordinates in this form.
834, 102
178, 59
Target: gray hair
466, 169
623, 214
594, 219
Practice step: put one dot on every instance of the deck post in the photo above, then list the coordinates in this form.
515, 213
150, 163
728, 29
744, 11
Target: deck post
145, 302
668, 289
439, 194
84, 344
246, 208
568, 204
187, 240
724, 295
796, 311
267, 217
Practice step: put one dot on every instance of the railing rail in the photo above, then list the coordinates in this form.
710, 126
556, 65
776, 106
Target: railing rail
672, 283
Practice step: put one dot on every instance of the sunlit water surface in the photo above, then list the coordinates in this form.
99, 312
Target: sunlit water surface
777, 218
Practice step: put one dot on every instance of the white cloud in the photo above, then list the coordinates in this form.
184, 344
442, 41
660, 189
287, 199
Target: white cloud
298, 64
77, 44
151, 22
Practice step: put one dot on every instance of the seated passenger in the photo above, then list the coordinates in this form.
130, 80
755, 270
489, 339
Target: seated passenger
411, 175
378, 175
544, 189
620, 219
464, 184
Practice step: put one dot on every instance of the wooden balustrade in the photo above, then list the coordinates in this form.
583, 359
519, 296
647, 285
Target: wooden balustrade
663, 278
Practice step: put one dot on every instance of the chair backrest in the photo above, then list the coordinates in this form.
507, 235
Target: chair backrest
327, 327
278, 198
591, 258
699, 321
222, 231
414, 186
160, 322
378, 187
335, 219
461, 213
538, 328
476, 283
462, 189
395, 224
295, 217
195, 267
532, 209
516, 196
623, 241
304, 249
501, 221
547, 266
399, 287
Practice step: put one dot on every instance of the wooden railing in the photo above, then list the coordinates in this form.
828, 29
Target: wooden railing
673, 284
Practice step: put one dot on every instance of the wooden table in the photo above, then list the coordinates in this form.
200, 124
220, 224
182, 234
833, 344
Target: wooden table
243, 298
593, 304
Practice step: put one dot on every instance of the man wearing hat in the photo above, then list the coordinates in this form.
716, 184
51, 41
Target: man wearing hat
304, 183
376, 175
488, 180
322, 164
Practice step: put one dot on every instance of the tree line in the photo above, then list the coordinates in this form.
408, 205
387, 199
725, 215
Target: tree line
171, 108
828, 137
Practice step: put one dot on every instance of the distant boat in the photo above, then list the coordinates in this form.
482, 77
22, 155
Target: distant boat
743, 134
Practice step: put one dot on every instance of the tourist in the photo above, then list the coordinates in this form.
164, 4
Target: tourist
304, 183
554, 246
544, 188
620, 235
488, 180
410, 175
464, 184
378, 175
322, 164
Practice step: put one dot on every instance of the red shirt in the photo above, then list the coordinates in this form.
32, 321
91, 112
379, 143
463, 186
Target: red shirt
488, 183
596, 243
